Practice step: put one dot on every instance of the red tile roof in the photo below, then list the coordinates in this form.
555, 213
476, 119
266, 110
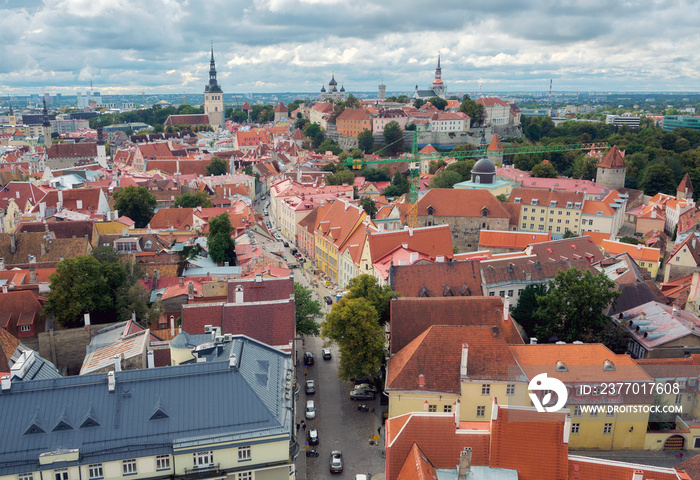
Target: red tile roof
437, 279
89, 198
586, 468
613, 159
153, 150
280, 108
340, 221
72, 150
488, 359
410, 317
433, 241
567, 249
495, 144
266, 289
685, 184
510, 240
178, 218
22, 193
448, 202
417, 466
8, 345
490, 101
187, 120
691, 468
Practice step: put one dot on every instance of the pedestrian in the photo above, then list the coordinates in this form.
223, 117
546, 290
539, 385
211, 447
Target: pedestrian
298, 427
379, 430
303, 425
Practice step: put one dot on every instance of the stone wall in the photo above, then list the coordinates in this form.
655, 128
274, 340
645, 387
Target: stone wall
465, 230
66, 348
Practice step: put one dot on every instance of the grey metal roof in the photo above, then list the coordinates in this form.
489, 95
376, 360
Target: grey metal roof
40, 368
203, 403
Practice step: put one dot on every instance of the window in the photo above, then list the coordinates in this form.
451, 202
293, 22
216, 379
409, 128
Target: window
510, 389
480, 411
163, 462
520, 291
244, 453
609, 413
679, 398
61, 474
575, 428
558, 229
607, 429
128, 467
25, 476
486, 389
25, 328
696, 444
577, 411
432, 408
203, 459
245, 476
95, 471
594, 413
447, 409
502, 293
491, 294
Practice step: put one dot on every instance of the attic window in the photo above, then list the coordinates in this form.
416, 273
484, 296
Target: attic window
446, 291
89, 422
574, 246
553, 203
431, 210
534, 201
34, 428
569, 204
148, 244
62, 425
423, 292
517, 200
608, 365
159, 414
561, 367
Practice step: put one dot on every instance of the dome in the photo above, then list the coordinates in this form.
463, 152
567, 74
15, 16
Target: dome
484, 166
437, 81
333, 83
342, 88
323, 89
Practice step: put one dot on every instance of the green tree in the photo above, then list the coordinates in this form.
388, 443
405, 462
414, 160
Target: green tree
569, 234
312, 129
418, 102
585, 167
357, 153
365, 286
219, 241
340, 177
658, 178
462, 167
79, 284
365, 141
544, 170
572, 308
367, 203
436, 165
306, 310
393, 136
329, 145
217, 166
137, 203
399, 186
445, 179
239, 116
524, 311
192, 200
353, 324
439, 103
502, 197
473, 109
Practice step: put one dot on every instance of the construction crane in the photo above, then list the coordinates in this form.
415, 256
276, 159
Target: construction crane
143, 99
414, 177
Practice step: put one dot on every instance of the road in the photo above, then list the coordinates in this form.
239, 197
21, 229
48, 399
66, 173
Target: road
340, 425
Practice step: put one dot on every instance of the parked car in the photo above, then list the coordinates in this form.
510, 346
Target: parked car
310, 410
328, 300
327, 354
366, 386
293, 251
285, 244
313, 436
361, 395
308, 358
310, 387
336, 461
362, 476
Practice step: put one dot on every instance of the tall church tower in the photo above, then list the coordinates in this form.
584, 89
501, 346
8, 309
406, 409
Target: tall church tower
214, 97
101, 146
46, 127
11, 117
438, 86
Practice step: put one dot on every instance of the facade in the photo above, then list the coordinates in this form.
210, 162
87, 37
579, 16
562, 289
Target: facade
333, 94
466, 211
605, 216
446, 122
620, 120
612, 169
671, 122
281, 112
548, 211
437, 89
139, 423
385, 116
353, 121
497, 112
684, 259
214, 97
333, 232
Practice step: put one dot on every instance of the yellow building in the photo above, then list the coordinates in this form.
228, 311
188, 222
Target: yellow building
334, 229
448, 367
545, 210
155, 423
587, 371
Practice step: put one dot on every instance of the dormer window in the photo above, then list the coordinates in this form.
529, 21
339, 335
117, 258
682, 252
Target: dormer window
569, 204
517, 200
561, 366
431, 210
534, 201
484, 212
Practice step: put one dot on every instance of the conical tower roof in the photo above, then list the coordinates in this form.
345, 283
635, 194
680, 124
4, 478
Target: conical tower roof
613, 159
685, 184
495, 144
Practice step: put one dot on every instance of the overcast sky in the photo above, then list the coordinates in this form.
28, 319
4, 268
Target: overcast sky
126, 46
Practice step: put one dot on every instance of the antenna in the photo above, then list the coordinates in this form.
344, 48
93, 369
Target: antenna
143, 99
550, 90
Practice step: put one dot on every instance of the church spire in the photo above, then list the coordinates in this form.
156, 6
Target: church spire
46, 116
11, 109
438, 70
213, 85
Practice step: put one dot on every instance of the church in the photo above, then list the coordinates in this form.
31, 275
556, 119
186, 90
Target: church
214, 97
437, 89
332, 93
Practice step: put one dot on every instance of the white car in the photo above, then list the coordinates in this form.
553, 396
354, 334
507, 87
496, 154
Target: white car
310, 410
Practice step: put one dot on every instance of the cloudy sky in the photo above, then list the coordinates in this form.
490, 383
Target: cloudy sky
126, 46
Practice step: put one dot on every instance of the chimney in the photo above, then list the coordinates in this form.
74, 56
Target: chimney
79, 204
13, 244
533, 340
59, 204
463, 362
675, 312
440, 259
151, 361
239, 294
456, 410
190, 290
118, 363
172, 326
465, 463
506, 308
181, 281
638, 475
2, 264
258, 278
421, 381
6, 383
86, 316
414, 257
32, 273
111, 382
233, 361
133, 316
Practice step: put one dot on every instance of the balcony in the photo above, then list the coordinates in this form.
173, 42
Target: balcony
203, 472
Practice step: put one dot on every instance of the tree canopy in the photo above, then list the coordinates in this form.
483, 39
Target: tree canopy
439, 103
473, 109
367, 203
217, 166
192, 200
365, 286
572, 308
353, 324
219, 241
544, 170
137, 203
445, 179
365, 141
393, 136
399, 186
307, 310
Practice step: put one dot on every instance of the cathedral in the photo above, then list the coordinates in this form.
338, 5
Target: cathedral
333, 93
214, 97
437, 89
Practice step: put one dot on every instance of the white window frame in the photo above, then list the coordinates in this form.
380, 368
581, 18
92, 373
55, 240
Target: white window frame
481, 411
607, 429
486, 389
577, 411
575, 428
95, 471
163, 462
510, 389
203, 459
244, 453
129, 467
25, 328
25, 476
245, 476
61, 474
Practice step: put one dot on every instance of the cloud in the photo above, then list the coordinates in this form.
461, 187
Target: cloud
294, 45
